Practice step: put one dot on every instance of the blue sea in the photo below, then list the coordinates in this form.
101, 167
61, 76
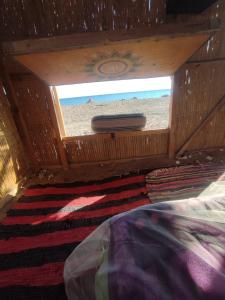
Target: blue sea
115, 97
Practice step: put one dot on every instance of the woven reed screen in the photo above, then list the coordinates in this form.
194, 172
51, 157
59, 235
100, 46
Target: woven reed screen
34, 103
23, 19
105, 147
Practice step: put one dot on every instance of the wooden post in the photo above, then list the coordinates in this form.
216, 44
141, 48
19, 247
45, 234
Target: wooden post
172, 123
61, 148
58, 111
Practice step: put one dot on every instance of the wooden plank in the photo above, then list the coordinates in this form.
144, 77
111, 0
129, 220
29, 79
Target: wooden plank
205, 61
117, 134
139, 59
172, 121
60, 145
58, 112
154, 162
96, 170
205, 121
94, 39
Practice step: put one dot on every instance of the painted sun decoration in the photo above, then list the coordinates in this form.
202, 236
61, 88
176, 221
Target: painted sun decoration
112, 65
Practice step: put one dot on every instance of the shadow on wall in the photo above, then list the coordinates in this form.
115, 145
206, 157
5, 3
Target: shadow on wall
12, 162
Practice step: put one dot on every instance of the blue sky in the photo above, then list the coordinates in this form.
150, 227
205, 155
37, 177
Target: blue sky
113, 87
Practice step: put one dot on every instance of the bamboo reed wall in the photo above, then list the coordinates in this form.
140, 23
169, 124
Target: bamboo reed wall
23, 19
105, 147
198, 86
34, 101
12, 158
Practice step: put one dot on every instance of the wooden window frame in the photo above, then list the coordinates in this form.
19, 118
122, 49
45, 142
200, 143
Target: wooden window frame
58, 112
61, 124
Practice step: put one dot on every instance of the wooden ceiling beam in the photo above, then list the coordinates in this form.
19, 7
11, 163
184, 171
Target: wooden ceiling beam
84, 40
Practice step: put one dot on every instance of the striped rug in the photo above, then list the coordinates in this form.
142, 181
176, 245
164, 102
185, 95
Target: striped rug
48, 222
186, 182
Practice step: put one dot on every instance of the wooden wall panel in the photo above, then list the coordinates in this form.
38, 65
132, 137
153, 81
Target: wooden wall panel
13, 164
104, 147
34, 102
23, 19
198, 86
142, 58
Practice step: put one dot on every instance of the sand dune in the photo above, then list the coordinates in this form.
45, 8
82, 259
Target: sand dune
77, 118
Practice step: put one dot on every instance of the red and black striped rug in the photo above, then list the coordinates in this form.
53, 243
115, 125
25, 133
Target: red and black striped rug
48, 222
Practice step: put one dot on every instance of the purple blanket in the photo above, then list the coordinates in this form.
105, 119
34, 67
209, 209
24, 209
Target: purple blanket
171, 250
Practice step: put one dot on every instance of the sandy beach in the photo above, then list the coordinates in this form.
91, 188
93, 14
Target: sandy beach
77, 118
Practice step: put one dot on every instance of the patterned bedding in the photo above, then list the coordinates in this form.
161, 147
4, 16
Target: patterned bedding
185, 182
168, 250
